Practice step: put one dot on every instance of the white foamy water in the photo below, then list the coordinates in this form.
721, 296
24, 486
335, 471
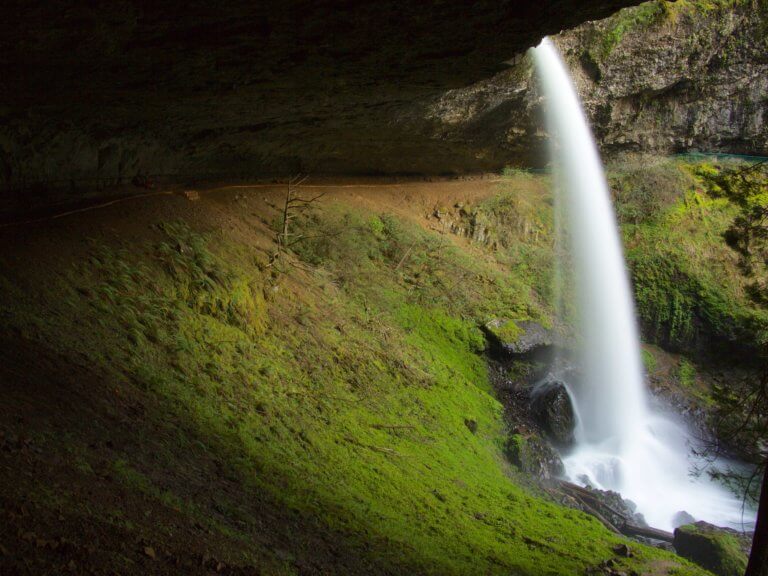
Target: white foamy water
621, 444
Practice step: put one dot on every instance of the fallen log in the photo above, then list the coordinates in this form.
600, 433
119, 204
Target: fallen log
593, 505
647, 532
590, 510
583, 494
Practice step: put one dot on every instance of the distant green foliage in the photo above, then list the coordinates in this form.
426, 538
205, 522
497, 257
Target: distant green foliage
683, 309
665, 299
688, 287
747, 187
644, 189
742, 404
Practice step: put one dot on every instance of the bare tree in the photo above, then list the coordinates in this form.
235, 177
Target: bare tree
743, 422
293, 206
758, 558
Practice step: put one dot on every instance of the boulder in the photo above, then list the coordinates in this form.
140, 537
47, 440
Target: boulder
682, 518
518, 338
552, 408
623, 551
719, 550
534, 456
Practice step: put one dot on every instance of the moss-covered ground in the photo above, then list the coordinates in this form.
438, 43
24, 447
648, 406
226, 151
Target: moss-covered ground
174, 401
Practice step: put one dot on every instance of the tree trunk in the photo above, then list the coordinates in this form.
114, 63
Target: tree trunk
758, 558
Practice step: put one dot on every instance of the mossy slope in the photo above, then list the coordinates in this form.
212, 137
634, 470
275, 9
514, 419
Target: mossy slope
329, 393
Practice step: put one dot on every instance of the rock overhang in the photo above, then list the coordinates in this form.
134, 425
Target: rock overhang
97, 94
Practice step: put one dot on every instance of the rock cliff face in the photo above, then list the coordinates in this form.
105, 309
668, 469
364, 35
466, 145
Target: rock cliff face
659, 77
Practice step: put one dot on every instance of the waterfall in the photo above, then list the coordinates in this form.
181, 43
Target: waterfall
621, 444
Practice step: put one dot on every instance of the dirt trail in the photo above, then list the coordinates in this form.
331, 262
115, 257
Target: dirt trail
458, 186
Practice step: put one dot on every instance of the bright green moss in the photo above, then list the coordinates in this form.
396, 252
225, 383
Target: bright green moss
507, 332
719, 552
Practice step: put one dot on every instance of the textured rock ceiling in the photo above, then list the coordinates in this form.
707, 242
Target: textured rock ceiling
97, 92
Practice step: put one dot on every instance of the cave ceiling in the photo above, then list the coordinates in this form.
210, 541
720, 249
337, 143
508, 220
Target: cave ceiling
101, 91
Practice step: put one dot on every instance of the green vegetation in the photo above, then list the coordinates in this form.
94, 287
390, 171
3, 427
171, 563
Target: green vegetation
628, 19
340, 385
719, 552
649, 360
690, 292
656, 13
687, 373
644, 188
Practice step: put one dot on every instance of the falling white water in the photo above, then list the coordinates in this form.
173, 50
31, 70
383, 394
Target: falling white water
621, 444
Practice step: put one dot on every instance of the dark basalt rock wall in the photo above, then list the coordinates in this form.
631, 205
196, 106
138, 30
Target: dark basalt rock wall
659, 78
97, 93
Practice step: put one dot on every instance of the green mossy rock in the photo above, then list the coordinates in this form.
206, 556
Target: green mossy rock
518, 337
533, 456
716, 549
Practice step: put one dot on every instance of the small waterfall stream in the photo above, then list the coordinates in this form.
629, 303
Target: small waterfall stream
621, 444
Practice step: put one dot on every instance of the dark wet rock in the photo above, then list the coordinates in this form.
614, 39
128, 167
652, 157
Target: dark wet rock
534, 456
608, 504
623, 505
552, 407
623, 550
719, 550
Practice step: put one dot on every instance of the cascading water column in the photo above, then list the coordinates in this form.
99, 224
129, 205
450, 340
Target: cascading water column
611, 407
621, 444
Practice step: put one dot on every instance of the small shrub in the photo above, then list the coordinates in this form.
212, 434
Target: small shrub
649, 360
643, 189
686, 373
